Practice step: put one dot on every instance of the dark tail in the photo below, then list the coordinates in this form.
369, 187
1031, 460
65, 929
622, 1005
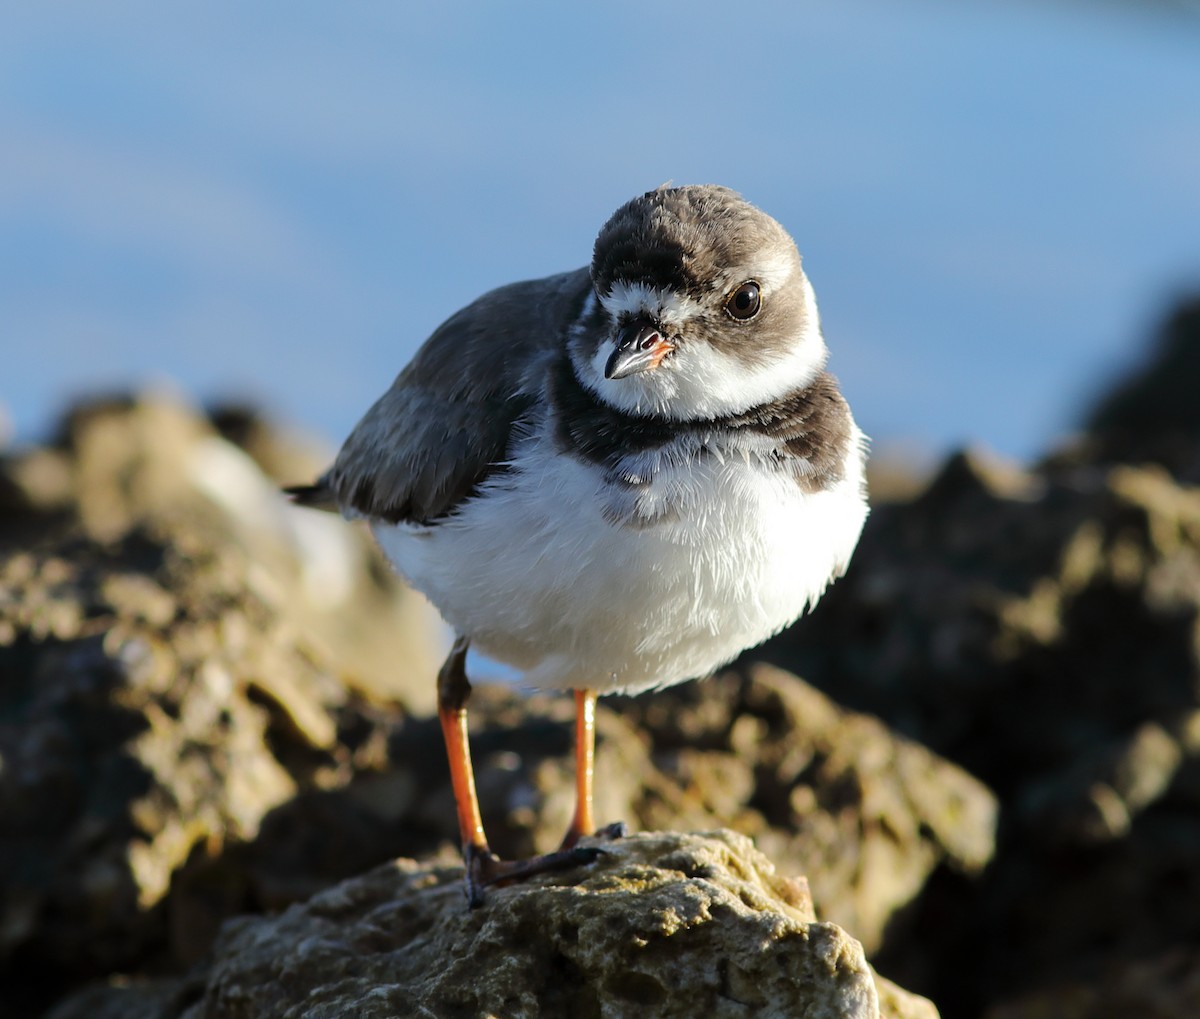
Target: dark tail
316, 496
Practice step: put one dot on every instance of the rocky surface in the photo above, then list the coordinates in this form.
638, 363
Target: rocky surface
867, 815
1041, 628
1001, 602
215, 706
200, 718
122, 462
1162, 988
662, 925
1153, 416
832, 794
173, 683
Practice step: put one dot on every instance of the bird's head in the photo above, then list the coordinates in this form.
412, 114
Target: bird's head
700, 308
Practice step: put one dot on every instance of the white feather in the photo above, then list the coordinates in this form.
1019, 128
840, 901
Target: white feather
630, 298
703, 381
579, 583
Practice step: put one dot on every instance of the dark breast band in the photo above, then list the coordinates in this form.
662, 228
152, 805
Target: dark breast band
811, 427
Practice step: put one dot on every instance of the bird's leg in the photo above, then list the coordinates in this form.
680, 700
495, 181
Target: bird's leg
453, 691
584, 823
483, 867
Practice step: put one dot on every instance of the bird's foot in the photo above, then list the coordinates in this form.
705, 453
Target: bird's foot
610, 832
485, 868
617, 829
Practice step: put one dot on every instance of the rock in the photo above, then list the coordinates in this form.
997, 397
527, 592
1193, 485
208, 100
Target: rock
1039, 628
868, 815
1152, 416
1106, 875
169, 693
125, 461
663, 924
1162, 988
1004, 618
193, 727
136, 727
161, 998
1097, 800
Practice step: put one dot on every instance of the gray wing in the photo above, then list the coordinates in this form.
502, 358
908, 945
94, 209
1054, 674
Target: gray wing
446, 423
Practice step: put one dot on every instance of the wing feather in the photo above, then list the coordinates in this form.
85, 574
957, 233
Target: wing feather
446, 423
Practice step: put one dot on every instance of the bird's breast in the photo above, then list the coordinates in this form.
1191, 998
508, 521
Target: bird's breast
644, 573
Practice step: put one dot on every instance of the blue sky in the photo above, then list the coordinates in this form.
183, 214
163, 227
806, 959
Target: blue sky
995, 202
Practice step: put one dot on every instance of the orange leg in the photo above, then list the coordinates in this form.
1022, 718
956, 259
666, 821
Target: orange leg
583, 823
483, 867
453, 691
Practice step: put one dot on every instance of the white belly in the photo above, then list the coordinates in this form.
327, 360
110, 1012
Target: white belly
537, 577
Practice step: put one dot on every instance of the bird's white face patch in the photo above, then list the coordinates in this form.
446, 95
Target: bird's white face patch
700, 381
630, 299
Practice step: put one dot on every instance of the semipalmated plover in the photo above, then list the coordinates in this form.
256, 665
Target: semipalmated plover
617, 478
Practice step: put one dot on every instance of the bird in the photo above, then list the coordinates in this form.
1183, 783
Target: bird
613, 479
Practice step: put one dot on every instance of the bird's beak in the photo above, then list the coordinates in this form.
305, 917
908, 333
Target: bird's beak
640, 347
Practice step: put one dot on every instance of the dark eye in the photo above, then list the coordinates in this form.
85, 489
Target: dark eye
744, 302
